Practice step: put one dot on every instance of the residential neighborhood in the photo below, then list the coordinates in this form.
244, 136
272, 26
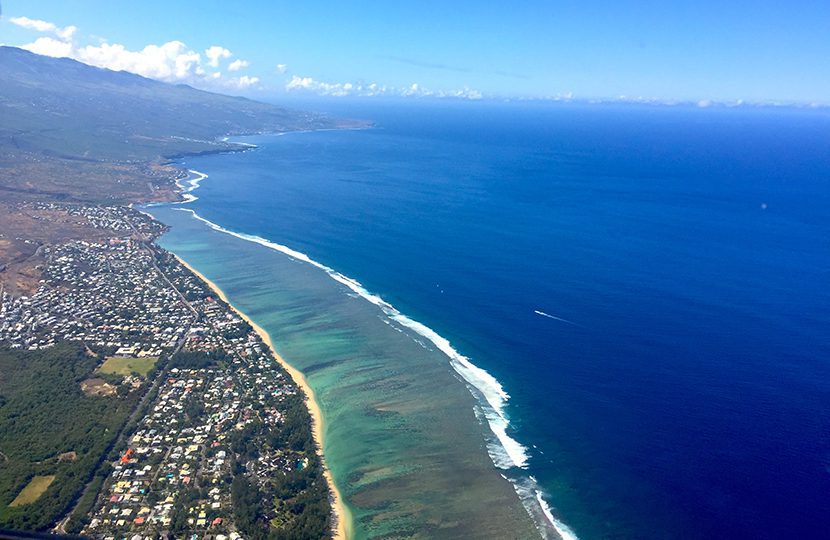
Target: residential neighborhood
220, 446
106, 294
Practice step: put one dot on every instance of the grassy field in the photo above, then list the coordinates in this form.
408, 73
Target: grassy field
33, 490
127, 366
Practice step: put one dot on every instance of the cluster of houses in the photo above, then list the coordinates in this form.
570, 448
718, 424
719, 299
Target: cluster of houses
176, 476
174, 472
118, 219
106, 294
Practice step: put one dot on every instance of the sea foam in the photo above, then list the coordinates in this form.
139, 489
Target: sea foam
192, 185
563, 530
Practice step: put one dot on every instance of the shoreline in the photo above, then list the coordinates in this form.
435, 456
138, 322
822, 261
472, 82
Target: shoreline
504, 451
341, 529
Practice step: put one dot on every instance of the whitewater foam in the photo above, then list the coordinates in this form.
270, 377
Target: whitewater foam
563, 530
192, 185
485, 384
509, 454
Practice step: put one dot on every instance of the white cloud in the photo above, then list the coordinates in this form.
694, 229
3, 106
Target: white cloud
322, 88
296, 83
236, 65
67, 32
216, 53
44, 26
464, 93
173, 61
48, 46
414, 90
243, 82
33, 24
307, 84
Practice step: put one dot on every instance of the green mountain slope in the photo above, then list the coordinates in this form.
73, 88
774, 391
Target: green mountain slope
73, 131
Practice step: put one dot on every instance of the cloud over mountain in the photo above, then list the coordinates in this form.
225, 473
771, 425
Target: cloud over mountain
172, 61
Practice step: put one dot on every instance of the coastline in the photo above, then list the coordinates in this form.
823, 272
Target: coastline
503, 451
341, 529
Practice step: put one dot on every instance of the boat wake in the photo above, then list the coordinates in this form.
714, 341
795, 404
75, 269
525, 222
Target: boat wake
554, 317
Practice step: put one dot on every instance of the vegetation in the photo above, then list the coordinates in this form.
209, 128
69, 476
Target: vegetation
80, 516
114, 148
117, 365
197, 359
287, 506
44, 415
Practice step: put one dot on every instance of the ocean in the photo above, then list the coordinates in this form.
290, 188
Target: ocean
619, 311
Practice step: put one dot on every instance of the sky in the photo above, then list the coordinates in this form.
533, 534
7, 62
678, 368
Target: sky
763, 51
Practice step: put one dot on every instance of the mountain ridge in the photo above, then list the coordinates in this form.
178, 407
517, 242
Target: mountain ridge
70, 131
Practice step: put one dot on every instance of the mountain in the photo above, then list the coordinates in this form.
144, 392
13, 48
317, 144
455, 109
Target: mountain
70, 131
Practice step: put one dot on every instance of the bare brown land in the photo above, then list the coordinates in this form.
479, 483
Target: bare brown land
97, 387
24, 228
28, 176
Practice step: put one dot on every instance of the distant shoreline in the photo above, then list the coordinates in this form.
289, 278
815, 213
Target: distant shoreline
341, 529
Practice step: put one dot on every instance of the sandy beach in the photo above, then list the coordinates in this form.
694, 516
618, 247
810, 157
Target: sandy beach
342, 518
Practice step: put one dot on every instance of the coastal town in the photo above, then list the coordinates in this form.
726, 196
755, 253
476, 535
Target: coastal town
135, 402
104, 293
219, 444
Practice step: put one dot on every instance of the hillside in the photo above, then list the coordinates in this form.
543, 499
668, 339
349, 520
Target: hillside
69, 131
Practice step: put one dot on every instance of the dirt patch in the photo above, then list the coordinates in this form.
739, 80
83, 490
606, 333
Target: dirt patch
67, 456
97, 387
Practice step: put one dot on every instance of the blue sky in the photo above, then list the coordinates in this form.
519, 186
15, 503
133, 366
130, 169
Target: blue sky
763, 51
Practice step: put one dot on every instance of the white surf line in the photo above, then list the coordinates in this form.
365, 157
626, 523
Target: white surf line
564, 531
554, 317
186, 186
240, 143
484, 383
193, 184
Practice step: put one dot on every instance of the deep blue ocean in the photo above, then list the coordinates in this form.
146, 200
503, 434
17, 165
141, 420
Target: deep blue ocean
651, 285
